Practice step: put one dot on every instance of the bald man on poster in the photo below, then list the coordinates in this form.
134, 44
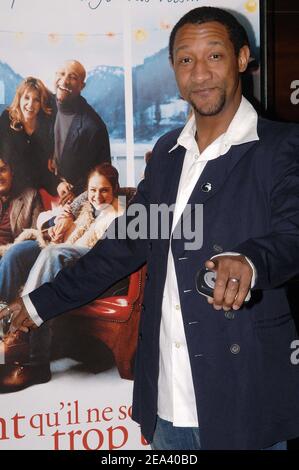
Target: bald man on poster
80, 135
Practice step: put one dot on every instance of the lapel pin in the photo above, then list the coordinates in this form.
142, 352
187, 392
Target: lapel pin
206, 187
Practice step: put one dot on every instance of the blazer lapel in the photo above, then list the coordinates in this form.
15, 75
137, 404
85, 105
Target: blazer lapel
214, 176
73, 134
216, 172
172, 175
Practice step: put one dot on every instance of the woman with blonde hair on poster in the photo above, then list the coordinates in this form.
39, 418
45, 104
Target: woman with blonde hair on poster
27, 130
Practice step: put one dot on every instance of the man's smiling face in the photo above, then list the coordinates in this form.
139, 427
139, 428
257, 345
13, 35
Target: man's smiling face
69, 81
207, 68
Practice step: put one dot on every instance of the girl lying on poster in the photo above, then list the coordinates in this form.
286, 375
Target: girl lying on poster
26, 260
26, 127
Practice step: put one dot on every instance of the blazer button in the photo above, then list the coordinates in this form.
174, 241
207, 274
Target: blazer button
146, 276
206, 187
150, 245
230, 315
140, 336
235, 349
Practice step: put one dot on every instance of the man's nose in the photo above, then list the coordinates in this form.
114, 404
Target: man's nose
201, 71
64, 80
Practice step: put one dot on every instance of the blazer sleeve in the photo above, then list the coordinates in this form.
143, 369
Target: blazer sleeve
276, 254
107, 262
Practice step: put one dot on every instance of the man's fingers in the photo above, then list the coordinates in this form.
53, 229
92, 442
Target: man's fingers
219, 289
67, 198
210, 264
15, 323
22, 328
233, 281
21, 322
231, 291
67, 208
62, 200
20, 319
241, 296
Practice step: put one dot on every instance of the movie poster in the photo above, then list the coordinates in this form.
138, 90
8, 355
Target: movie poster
123, 46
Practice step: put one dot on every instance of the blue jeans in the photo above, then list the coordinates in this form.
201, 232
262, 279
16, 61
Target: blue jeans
50, 261
169, 437
15, 266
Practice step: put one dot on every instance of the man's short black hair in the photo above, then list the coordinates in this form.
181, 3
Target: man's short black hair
236, 31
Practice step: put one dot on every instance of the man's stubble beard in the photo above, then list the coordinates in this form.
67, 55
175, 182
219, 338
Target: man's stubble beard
213, 109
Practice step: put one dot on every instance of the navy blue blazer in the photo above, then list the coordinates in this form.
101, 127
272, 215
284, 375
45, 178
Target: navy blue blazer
247, 389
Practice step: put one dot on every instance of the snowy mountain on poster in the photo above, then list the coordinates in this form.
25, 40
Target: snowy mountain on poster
157, 106
104, 91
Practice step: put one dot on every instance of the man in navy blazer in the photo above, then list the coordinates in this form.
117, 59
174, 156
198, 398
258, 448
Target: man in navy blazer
222, 373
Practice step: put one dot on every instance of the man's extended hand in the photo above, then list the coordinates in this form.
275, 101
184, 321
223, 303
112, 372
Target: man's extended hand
233, 281
67, 198
65, 193
20, 319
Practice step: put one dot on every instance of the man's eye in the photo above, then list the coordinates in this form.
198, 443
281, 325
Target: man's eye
215, 56
185, 60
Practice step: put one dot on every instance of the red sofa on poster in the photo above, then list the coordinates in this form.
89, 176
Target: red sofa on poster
113, 318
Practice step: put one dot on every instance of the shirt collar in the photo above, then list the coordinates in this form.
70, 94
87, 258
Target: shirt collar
242, 129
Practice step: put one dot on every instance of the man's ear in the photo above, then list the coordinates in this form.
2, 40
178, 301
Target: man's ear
243, 58
83, 85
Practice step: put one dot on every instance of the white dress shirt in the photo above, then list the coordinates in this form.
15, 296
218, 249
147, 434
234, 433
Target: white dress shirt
176, 397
